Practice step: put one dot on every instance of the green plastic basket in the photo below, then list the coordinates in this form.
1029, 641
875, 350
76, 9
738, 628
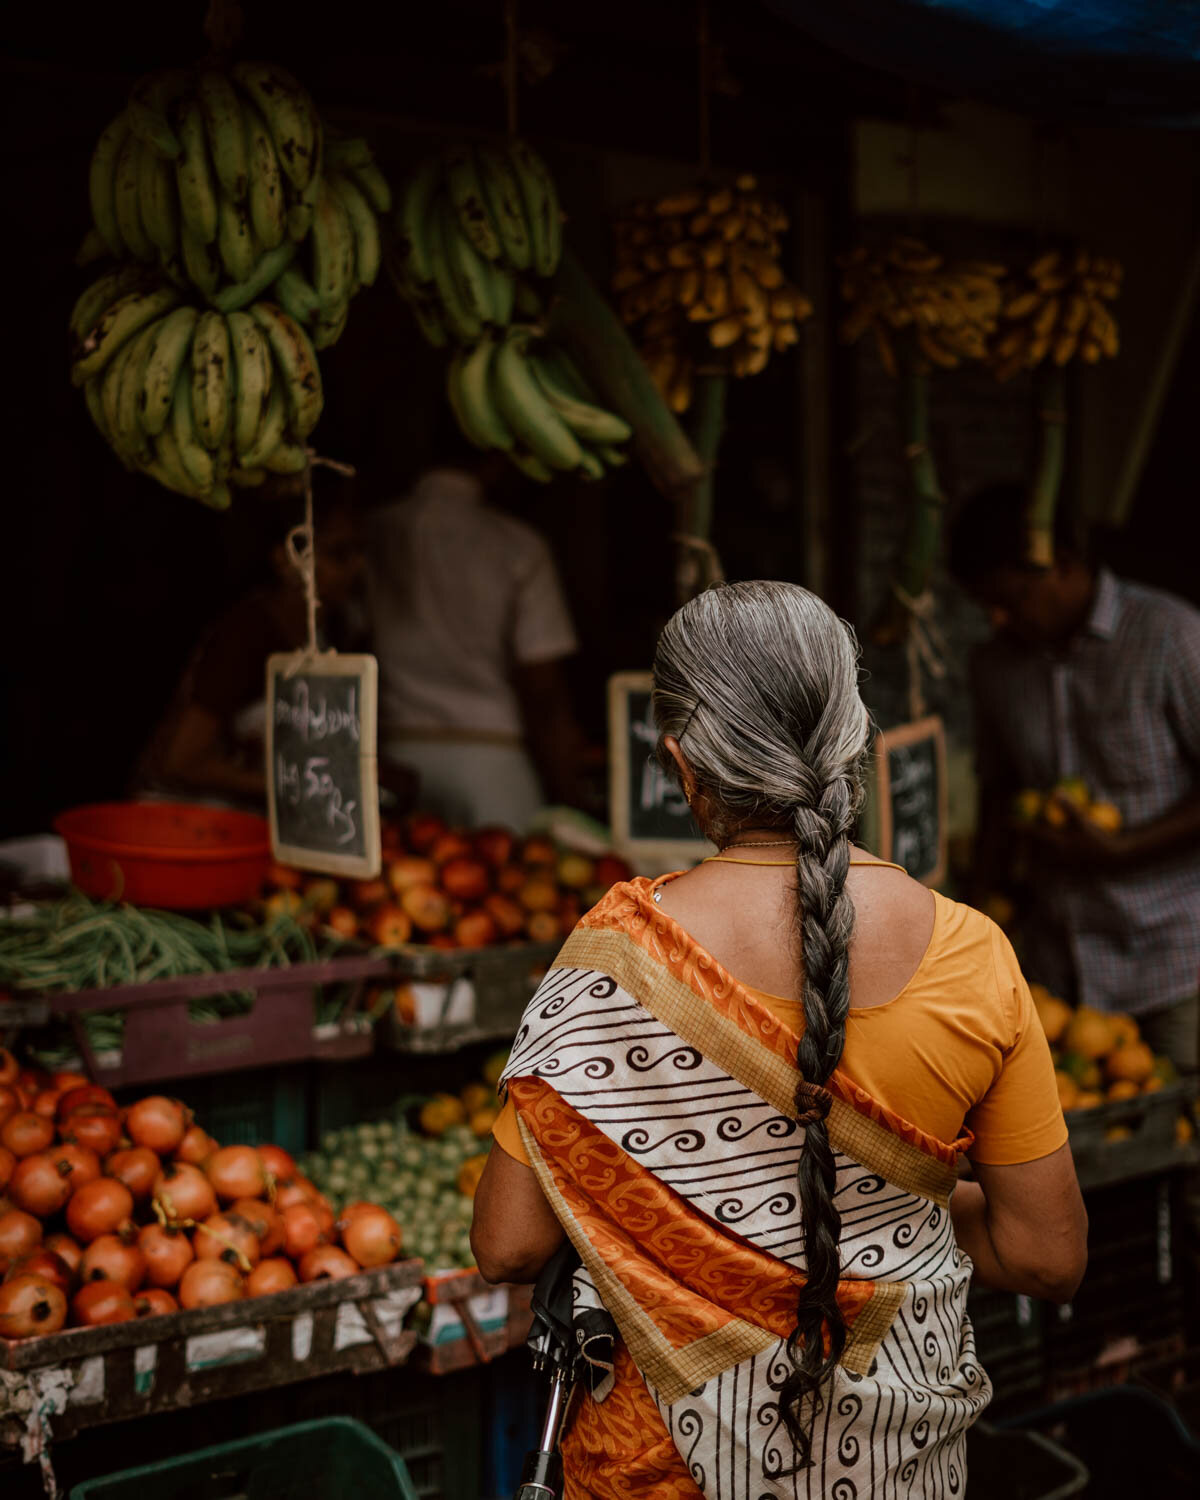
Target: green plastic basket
323, 1460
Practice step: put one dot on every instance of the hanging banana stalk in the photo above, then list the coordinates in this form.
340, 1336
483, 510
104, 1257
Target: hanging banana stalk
922, 545
1047, 480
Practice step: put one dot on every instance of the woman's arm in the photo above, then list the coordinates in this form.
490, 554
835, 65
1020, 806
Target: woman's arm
1024, 1226
514, 1231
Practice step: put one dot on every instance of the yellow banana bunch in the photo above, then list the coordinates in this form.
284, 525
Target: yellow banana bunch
952, 309
1057, 310
699, 281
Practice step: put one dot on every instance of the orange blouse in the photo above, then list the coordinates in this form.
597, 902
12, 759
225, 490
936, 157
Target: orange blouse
961, 1043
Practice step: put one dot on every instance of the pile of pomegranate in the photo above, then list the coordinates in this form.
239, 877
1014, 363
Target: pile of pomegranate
109, 1214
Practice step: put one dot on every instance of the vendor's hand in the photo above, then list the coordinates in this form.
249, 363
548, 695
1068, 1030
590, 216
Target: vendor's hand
1078, 843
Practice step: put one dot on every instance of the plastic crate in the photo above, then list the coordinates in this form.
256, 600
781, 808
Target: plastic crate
254, 1108
1146, 1144
1010, 1342
476, 994
1130, 1441
1019, 1466
1177, 1381
323, 1460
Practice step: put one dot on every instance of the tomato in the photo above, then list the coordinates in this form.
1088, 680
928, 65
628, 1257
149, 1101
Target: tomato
31, 1305
327, 1263
157, 1122
19, 1234
275, 1275
26, 1133
98, 1302
100, 1207
184, 1192
154, 1302
38, 1186
236, 1172
209, 1283
168, 1253
137, 1168
230, 1238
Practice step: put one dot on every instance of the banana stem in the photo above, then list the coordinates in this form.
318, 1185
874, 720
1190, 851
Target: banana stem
1047, 479
923, 541
706, 428
584, 323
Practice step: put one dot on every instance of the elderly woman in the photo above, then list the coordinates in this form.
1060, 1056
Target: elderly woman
745, 1094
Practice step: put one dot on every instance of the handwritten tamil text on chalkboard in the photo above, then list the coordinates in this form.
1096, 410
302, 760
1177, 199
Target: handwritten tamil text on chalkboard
648, 811
911, 795
321, 769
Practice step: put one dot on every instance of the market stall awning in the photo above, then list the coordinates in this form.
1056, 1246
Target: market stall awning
1130, 61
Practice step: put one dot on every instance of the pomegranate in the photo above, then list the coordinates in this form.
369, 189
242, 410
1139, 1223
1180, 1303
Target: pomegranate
372, 1239
327, 1263
19, 1234
43, 1262
98, 1302
278, 1163
274, 1275
236, 1172
185, 1192
38, 1186
168, 1253
25, 1133
84, 1094
196, 1147
99, 1207
7, 1162
157, 1122
78, 1164
111, 1258
137, 1167
31, 1305
46, 1103
10, 1102
230, 1238
69, 1251
94, 1126
266, 1222
10, 1068
208, 1283
302, 1230
154, 1302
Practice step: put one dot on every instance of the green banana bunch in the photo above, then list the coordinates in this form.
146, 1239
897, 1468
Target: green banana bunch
469, 223
344, 248
525, 398
199, 400
211, 173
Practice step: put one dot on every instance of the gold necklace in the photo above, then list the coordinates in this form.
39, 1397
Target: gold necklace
760, 844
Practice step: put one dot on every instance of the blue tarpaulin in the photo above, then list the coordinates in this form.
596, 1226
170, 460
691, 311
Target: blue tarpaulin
1114, 61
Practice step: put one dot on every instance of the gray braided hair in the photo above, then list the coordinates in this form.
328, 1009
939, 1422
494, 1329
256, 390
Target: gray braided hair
759, 681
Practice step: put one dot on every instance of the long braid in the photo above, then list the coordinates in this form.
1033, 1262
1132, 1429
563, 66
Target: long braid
759, 684
825, 919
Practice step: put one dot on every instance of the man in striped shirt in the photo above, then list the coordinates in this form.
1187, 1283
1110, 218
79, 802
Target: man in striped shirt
1091, 677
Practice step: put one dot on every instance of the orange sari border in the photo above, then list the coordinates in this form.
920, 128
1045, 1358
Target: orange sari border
878, 1143
690, 1278
628, 908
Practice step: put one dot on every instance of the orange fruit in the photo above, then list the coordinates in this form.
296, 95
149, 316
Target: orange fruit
1184, 1130
469, 1174
1104, 815
1054, 1014
1089, 1033
1118, 1133
1088, 1099
1124, 1029
1123, 1088
1153, 1084
1028, 805
1134, 1062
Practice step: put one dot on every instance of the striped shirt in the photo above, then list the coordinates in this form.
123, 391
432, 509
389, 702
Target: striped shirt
1118, 707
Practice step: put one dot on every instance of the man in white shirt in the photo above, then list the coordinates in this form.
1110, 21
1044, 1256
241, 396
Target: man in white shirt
471, 631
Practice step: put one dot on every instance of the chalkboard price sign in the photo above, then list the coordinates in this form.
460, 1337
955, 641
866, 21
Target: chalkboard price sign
910, 798
323, 794
648, 812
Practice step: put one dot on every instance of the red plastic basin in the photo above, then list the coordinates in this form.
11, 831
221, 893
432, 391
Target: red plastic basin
171, 854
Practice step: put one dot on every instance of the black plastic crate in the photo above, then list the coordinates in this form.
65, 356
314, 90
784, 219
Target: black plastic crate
1130, 1441
1009, 1465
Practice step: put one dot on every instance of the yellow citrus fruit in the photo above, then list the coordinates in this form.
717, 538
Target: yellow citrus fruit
494, 1066
1134, 1062
1075, 791
1054, 813
1123, 1088
1068, 1091
1118, 1133
1089, 1033
1184, 1130
1088, 1099
1104, 815
482, 1120
442, 1111
1084, 1070
1153, 1084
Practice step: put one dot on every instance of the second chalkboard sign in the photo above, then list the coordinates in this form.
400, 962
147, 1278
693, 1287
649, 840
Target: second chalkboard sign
909, 798
323, 794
